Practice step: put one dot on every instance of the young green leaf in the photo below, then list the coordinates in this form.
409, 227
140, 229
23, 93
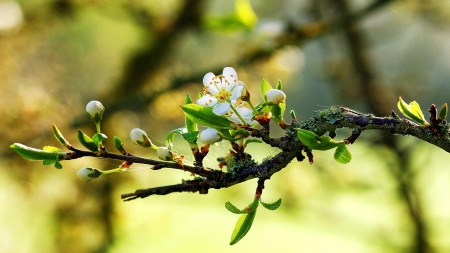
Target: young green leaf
313, 141
443, 112
190, 125
205, 116
342, 155
412, 111
171, 135
232, 208
265, 87
99, 138
244, 223
278, 86
34, 154
118, 144
86, 141
262, 107
278, 112
252, 140
272, 206
59, 136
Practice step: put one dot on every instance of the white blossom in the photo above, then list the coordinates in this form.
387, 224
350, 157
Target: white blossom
245, 113
223, 90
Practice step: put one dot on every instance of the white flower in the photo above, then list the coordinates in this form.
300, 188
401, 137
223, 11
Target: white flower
210, 136
164, 154
245, 113
87, 174
139, 137
274, 96
223, 89
95, 109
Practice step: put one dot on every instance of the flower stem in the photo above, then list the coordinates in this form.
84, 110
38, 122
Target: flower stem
237, 114
97, 125
253, 108
110, 171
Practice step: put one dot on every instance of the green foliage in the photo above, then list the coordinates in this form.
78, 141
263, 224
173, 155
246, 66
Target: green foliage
118, 144
190, 125
205, 116
443, 112
412, 111
49, 155
59, 136
313, 141
232, 208
342, 155
272, 206
86, 141
244, 223
265, 87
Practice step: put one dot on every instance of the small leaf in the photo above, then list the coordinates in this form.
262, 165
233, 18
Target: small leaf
191, 137
52, 149
190, 125
342, 155
244, 223
230, 207
252, 140
278, 112
58, 165
272, 206
86, 141
278, 86
205, 116
265, 87
412, 111
443, 112
99, 138
118, 144
245, 13
59, 136
313, 141
262, 107
171, 135
34, 154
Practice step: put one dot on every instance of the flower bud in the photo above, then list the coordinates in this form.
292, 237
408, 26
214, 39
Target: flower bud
274, 96
245, 95
210, 136
164, 154
87, 174
139, 137
95, 109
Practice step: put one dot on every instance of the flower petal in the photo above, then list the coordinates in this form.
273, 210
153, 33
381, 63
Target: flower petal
207, 100
210, 81
237, 92
230, 78
221, 108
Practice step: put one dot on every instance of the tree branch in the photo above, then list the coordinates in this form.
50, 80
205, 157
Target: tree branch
323, 121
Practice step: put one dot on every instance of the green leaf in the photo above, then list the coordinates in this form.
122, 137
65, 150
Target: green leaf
412, 111
34, 154
244, 223
191, 137
265, 87
245, 13
252, 140
59, 136
342, 155
52, 149
58, 165
118, 144
313, 141
278, 112
171, 135
272, 206
278, 86
99, 138
230, 207
190, 125
204, 116
262, 107
443, 112
86, 141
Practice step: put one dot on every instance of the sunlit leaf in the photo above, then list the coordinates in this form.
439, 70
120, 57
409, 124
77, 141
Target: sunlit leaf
342, 155
205, 116
59, 136
313, 141
99, 138
190, 125
443, 112
118, 144
86, 141
171, 135
34, 154
272, 206
412, 111
265, 87
232, 208
244, 223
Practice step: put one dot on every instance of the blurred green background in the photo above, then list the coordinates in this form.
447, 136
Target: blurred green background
140, 58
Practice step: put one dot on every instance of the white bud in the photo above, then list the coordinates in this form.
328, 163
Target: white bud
244, 92
210, 136
95, 109
139, 137
274, 96
87, 174
164, 154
